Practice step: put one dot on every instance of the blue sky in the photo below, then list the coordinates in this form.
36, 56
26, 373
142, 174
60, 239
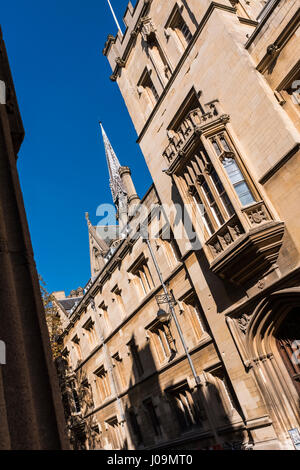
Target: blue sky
63, 88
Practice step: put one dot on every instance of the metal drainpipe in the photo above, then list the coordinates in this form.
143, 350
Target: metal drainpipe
196, 377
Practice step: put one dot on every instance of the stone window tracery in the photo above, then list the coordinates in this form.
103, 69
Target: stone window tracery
227, 157
207, 191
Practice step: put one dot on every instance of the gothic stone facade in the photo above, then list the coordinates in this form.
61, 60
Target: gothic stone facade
212, 89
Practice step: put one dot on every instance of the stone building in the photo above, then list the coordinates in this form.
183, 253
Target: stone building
31, 413
213, 91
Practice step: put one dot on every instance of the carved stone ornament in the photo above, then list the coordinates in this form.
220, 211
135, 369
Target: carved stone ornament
120, 62
243, 322
147, 28
272, 49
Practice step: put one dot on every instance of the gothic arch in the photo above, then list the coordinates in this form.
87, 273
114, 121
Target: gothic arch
271, 373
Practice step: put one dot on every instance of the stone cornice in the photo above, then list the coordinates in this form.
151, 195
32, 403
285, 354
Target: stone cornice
273, 170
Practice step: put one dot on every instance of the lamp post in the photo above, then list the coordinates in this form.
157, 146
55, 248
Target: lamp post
164, 316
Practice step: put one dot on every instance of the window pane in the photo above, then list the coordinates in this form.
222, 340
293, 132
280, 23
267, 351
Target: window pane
217, 181
220, 188
224, 144
204, 216
216, 147
217, 214
208, 193
233, 170
238, 181
228, 205
214, 208
186, 32
243, 193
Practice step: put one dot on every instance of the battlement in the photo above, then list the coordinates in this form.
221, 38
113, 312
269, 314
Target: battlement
117, 48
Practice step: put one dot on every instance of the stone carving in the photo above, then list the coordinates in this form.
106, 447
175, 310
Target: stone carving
191, 127
225, 236
257, 213
147, 28
261, 284
272, 49
243, 322
120, 62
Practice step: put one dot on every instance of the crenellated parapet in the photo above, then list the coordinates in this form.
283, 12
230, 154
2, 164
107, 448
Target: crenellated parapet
117, 48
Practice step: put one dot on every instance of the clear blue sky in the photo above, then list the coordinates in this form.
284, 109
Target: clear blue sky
63, 88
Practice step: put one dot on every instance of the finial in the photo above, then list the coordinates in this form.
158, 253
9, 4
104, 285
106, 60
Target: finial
87, 217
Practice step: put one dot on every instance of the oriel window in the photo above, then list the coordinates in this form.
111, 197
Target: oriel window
234, 173
208, 193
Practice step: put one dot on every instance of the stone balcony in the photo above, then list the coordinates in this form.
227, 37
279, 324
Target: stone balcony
246, 246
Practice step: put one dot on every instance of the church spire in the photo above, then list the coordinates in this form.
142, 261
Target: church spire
117, 187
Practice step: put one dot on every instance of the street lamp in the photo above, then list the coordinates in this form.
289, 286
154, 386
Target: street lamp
163, 316
168, 298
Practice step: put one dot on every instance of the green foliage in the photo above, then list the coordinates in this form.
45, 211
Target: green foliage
52, 319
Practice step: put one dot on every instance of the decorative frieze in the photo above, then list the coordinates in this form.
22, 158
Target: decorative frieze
225, 236
256, 213
192, 126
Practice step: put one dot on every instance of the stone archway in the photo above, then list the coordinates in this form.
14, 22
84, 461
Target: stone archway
269, 329
288, 344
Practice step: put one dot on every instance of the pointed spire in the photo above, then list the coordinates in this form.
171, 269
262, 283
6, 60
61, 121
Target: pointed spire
116, 185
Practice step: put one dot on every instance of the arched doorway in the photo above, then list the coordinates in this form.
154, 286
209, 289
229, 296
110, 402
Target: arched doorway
288, 343
272, 343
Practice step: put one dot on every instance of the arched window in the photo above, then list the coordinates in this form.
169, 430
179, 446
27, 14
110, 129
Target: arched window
288, 343
234, 173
